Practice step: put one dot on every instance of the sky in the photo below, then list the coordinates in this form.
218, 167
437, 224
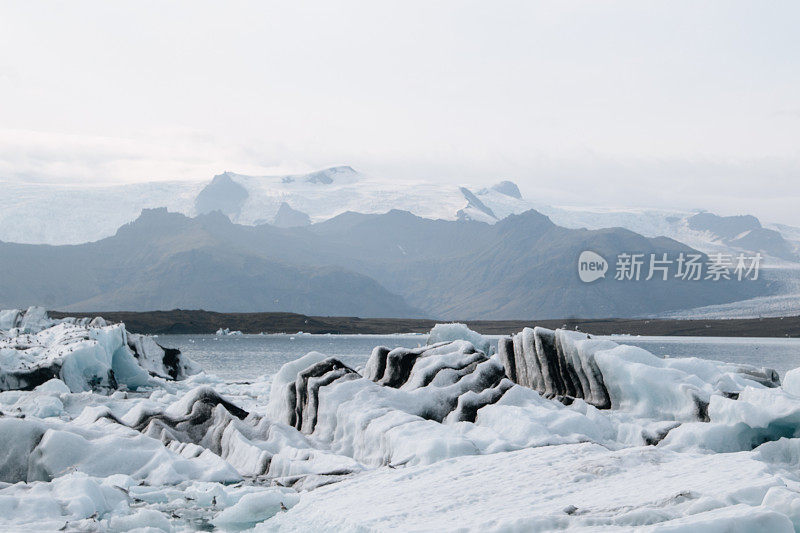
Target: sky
673, 104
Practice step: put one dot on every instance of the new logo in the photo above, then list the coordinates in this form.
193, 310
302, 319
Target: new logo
591, 266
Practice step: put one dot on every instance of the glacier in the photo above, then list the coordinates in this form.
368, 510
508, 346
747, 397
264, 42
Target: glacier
296, 200
555, 430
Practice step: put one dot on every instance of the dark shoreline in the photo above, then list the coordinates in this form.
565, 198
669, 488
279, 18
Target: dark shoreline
203, 322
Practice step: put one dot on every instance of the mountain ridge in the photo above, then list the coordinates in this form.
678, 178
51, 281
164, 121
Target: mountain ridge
391, 264
41, 214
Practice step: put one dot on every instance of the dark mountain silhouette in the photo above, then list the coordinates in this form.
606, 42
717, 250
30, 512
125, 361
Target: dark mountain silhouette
392, 264
166, 260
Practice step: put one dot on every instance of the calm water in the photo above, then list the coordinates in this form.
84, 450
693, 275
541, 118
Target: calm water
249, 356
246, 357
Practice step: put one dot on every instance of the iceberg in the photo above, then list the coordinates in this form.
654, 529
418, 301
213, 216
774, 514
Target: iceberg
226, 331
567, 365
84, 355
556, 430
612, 432
33, 320
455, 331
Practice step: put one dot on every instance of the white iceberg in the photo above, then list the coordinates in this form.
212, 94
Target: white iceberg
556, 431
84, 357
456, 331
226, 332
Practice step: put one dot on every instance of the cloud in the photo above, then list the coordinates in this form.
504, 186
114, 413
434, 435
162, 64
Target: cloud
790, 113
585, 102
168, 155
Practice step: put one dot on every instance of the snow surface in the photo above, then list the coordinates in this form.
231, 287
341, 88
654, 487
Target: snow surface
430, 439
582, 487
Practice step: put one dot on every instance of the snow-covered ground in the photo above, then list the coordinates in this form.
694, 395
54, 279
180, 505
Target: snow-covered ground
436, 438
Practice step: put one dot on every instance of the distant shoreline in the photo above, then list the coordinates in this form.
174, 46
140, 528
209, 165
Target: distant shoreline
203, 322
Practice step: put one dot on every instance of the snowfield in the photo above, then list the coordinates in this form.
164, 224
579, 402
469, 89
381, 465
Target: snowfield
104, 430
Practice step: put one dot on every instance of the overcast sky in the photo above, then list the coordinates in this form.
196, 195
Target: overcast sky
670, 104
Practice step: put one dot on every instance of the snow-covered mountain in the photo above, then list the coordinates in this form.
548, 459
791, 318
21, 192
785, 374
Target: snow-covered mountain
327, 193
36, 213
701, 230
72, 214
